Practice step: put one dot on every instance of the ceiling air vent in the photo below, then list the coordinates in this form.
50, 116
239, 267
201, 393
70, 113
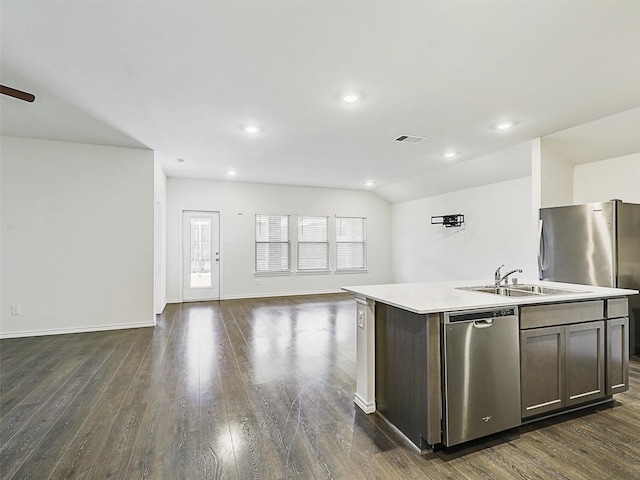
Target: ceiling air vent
409, 139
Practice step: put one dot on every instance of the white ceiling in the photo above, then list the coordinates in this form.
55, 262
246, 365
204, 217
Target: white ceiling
183, 78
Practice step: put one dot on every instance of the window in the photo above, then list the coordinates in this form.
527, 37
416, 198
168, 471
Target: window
313, 243
351, 246
273, 248
201, 230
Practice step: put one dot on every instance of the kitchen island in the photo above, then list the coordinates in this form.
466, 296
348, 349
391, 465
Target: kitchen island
430, 358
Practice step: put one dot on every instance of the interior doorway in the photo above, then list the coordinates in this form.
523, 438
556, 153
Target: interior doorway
200, 256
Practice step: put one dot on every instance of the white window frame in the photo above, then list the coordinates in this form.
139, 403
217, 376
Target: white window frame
302, 243
258, 243
363, 242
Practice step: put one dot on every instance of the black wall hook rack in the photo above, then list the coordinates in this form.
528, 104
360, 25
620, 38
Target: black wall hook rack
452, 220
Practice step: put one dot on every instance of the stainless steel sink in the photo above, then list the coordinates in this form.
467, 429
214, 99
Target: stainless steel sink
519, 290
539, 289
502, 291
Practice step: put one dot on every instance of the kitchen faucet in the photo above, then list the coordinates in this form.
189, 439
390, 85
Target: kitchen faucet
498, 279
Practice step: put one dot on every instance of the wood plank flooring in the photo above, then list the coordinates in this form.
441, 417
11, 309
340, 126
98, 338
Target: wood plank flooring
257, 389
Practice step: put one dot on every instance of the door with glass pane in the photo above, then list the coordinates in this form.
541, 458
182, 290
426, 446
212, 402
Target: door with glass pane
200, 256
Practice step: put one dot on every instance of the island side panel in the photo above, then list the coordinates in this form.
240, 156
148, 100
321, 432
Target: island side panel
407, 378
434, 379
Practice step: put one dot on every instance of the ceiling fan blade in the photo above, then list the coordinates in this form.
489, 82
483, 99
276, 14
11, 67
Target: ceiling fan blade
12, 92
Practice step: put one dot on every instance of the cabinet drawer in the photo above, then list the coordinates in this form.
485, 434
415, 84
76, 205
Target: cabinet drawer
535, 316
617, 307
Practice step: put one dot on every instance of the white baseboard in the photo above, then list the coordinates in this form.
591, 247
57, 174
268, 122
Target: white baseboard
364, 406
164, 305
62, 331
265, 295
279, 294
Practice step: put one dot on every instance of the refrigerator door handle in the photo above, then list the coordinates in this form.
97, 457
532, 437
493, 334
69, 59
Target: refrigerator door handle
540, 248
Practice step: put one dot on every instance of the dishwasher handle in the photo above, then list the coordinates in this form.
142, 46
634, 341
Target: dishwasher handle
483, 323
479, 315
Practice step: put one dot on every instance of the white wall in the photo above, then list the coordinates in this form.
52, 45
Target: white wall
497, 230
160, 239
556, 178
239, 202
77, 237
608, 179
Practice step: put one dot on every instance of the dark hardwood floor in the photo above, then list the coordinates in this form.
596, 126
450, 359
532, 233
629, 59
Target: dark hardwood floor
257, 389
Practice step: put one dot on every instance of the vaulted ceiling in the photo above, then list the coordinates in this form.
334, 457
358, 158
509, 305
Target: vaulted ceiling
185, 78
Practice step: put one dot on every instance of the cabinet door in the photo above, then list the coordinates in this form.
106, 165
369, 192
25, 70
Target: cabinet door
542, 369
584, 362
617, 355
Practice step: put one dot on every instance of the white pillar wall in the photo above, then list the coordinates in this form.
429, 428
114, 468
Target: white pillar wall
365, 396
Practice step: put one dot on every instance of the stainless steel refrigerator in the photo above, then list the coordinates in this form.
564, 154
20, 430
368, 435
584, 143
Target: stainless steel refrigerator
594, 244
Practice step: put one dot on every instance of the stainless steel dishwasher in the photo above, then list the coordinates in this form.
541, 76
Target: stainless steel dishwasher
481, 373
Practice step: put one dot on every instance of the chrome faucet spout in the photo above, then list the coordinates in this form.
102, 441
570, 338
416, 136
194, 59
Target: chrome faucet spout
505, 277
496, 275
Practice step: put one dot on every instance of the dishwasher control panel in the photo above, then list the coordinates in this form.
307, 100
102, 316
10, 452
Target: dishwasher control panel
483, 315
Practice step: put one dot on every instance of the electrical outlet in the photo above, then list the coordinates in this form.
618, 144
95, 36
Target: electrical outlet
361, 319
15, 309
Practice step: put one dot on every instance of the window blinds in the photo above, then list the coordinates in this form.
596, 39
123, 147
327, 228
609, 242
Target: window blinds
351, 252
313, 243
273, 247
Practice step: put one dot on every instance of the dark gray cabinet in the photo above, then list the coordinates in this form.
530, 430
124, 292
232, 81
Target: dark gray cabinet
542, 370
572, 354
617, 355
618, 334
585, 366
561, 366
562, 355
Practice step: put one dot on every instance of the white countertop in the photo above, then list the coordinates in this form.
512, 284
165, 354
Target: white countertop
435, 297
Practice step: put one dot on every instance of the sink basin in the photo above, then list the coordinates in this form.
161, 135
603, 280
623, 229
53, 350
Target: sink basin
519, 290
541, 290
502, 291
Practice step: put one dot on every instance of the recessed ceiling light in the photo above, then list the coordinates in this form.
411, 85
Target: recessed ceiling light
231, 173
350, 97
450, 155
252, 129
504, 125
369, 183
